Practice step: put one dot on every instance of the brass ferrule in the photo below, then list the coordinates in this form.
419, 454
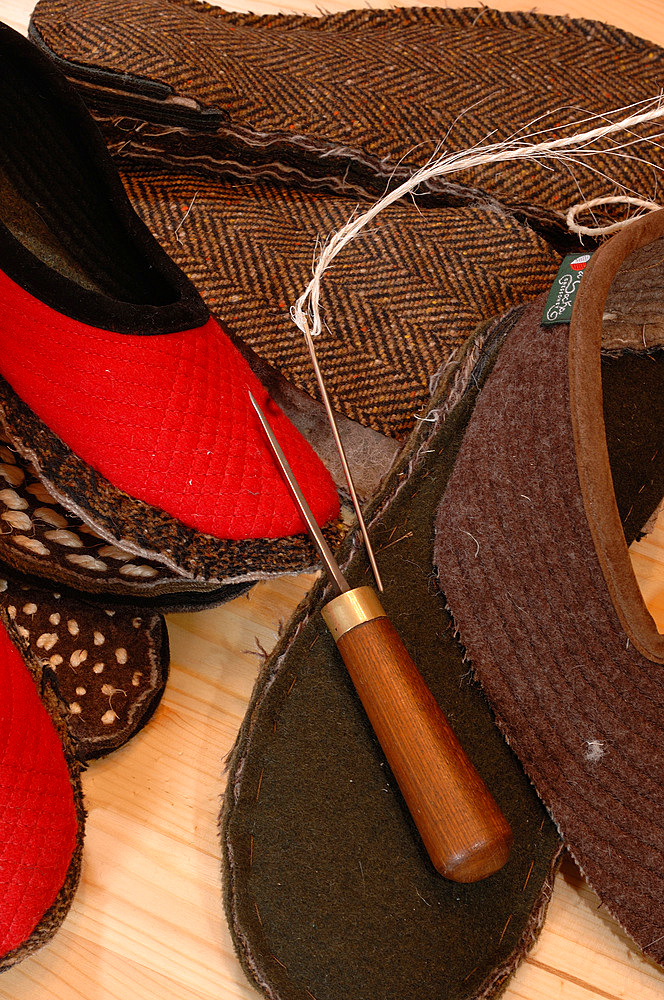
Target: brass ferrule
350, 609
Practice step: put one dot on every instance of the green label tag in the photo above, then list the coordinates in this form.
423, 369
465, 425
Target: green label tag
558, 308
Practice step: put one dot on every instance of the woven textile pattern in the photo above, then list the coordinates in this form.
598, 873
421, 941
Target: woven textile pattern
391, 84
397, 301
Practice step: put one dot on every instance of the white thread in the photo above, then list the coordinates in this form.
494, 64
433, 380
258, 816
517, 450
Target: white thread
176, 231
306, 311
477, 550
587, 206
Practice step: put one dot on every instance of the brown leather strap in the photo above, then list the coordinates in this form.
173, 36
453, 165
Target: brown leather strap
590, 437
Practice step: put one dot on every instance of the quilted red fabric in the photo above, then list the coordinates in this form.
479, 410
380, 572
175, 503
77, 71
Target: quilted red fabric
166, 418
37, 813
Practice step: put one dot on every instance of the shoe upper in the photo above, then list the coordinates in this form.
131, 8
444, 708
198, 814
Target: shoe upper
108, 342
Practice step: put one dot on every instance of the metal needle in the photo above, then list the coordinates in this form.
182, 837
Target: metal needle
342, 456
462, 828
316, 535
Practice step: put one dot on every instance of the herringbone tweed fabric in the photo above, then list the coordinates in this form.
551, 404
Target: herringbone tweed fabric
364, 93
397, 301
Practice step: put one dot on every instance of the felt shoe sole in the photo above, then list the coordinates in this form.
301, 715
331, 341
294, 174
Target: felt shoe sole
316, 842
328, 889
532, 556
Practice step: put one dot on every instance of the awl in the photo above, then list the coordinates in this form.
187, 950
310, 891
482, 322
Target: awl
462, 828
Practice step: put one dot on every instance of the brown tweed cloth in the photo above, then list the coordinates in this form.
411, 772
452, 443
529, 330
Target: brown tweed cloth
397, 302
521, 554
350, 98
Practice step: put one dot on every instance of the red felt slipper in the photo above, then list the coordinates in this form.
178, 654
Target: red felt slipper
106, 342
41, 814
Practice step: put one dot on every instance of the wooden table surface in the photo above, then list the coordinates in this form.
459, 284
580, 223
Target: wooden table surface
147, 921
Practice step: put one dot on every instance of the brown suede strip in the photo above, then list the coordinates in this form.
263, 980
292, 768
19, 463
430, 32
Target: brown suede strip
587, 415
579, 704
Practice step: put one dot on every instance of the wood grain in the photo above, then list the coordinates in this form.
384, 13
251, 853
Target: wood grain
465, 834
147, 921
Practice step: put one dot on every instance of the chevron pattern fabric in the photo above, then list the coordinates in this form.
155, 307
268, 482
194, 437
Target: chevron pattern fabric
397, 301
384, 87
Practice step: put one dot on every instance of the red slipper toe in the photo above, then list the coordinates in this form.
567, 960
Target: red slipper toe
38, 812
166, 418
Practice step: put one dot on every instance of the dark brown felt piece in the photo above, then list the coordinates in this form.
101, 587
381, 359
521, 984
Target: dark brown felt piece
402, 80
57, 912
328, 890
579, 704
634, 416
107, 667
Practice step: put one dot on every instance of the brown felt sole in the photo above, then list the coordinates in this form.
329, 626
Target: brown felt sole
545, 597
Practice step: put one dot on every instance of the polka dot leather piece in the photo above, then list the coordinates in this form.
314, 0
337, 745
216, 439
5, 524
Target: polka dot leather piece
107, 666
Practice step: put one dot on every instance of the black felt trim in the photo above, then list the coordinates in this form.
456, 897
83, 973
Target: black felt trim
53, 151
102, 77
127, 94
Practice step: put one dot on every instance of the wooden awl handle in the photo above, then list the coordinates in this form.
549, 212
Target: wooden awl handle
465, 833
